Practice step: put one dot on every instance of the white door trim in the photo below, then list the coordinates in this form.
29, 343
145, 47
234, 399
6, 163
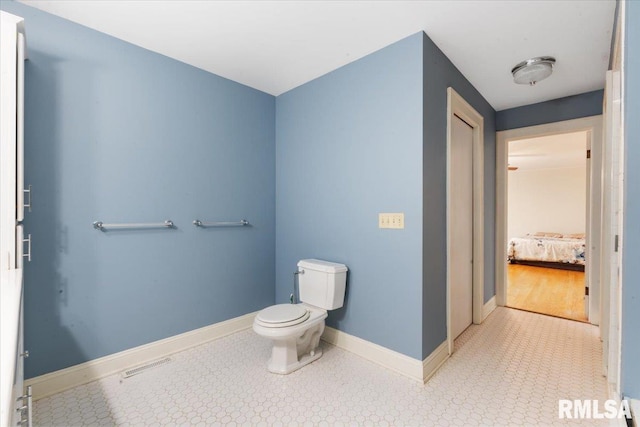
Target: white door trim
593, 125
456, 105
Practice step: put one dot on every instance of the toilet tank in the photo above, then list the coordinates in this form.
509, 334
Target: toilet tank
322, 283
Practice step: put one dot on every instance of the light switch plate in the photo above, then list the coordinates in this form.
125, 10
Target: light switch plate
391, 220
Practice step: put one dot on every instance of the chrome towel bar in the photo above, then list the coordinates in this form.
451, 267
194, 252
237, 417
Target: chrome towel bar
99, 225
240, 223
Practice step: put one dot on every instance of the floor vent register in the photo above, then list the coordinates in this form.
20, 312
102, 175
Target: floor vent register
143, 368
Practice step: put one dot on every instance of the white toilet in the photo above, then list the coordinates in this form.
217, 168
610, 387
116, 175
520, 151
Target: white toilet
296, 328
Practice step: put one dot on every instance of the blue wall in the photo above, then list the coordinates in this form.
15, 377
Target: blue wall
439, 74
567, 108
349, 145
631, 240
120, 134
370, 137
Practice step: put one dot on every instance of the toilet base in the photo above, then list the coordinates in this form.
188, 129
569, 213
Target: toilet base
290, 353
277, 368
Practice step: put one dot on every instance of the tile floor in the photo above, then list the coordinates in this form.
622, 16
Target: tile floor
509, 371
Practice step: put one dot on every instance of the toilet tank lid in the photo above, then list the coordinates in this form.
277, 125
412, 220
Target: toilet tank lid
324, 266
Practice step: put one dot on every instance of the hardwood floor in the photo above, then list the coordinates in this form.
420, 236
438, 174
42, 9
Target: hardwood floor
546, 290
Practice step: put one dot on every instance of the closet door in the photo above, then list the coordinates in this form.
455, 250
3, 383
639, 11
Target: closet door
20, 153
461, 217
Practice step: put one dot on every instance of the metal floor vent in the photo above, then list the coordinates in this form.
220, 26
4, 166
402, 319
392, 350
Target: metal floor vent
143, 368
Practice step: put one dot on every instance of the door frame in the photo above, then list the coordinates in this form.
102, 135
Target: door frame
610, 327
593, 125
456, 105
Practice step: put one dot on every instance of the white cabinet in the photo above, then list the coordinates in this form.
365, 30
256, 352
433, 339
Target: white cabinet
15, 404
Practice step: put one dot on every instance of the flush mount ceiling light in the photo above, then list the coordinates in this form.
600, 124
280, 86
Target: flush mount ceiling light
533, 70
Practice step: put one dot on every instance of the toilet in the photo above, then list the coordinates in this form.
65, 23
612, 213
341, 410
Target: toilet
295, 329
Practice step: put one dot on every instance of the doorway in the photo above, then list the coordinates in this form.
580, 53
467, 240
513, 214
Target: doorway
592, 126
546, 224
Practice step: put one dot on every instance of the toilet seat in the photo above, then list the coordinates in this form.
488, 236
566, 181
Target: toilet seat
282, 315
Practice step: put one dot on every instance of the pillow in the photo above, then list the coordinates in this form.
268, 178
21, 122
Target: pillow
575, 236
545, 234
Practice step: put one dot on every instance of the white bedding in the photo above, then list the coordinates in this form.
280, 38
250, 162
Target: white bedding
548, 249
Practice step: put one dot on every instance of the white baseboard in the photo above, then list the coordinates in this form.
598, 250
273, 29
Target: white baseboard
433, 362
488, 308
398, 362
64, 379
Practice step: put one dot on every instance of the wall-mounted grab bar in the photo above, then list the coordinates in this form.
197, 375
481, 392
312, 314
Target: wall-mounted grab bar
99, 225
240, 223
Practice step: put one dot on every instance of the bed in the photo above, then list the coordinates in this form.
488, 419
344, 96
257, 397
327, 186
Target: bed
553, 250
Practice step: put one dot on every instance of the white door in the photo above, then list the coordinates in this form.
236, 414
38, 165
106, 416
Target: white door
612, 230
20, 154
461, 217
588, 254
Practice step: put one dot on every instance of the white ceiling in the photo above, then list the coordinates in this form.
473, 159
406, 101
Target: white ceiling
567, 150
275, 46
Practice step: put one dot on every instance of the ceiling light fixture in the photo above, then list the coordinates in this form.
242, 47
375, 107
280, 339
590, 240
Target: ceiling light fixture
533, 70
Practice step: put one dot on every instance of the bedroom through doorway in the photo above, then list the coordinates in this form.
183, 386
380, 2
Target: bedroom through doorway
547, 199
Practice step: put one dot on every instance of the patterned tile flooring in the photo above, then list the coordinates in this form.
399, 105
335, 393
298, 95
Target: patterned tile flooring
511, 370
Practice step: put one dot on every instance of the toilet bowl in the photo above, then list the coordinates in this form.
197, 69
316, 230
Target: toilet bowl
295, 329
